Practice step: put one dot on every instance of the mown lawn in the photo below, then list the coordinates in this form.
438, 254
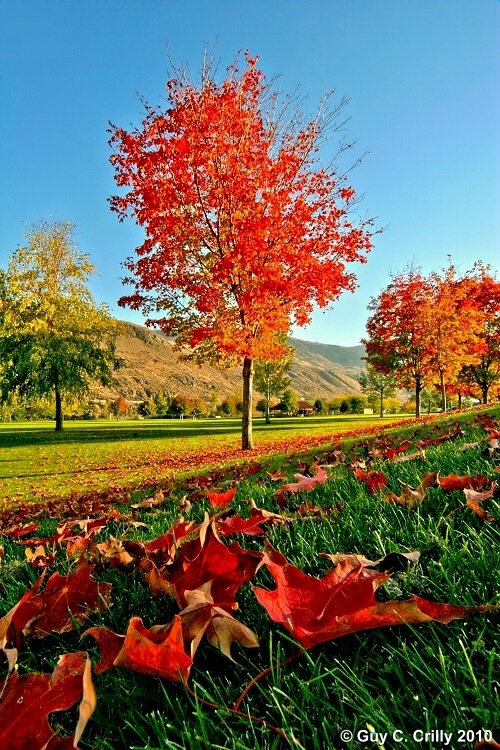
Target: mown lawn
37, 462
413, 680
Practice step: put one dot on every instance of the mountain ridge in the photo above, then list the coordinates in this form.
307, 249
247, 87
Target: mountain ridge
150, 364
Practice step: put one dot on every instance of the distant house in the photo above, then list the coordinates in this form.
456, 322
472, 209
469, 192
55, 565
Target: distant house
305, 409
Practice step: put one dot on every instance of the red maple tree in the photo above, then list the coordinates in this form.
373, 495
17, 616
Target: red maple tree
245, 230
398, 340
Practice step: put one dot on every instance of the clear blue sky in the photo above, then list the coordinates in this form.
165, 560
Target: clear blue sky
420, 74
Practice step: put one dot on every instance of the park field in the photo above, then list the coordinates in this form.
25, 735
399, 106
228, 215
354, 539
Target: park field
38, 463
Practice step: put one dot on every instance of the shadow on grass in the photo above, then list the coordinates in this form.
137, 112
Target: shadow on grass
26, 434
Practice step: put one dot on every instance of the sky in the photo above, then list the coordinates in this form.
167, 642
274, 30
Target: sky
420, 76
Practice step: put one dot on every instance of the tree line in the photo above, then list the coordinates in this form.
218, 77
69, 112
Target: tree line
437, 332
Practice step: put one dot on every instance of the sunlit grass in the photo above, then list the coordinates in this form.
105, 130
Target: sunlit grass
37, 462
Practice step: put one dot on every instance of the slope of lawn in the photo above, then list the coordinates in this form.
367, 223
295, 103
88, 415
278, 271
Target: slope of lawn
415, 678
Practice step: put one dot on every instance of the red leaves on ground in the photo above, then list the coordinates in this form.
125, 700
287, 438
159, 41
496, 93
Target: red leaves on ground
374, 480
455, 482
227, 566
159, 651
29, 699
342, 602
64, 600
221, 499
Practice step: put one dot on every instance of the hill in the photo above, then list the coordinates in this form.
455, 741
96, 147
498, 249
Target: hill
151, 364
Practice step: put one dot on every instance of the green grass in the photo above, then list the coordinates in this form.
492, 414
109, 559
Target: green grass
410, 678
37, 462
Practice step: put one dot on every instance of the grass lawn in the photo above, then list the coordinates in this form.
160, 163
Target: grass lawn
37, 462
414, 680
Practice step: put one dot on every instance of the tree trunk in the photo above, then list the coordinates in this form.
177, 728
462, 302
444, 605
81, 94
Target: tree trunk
443, 390
418, 388
246, 420
459, 400
59, 411
268, 415
381, 403
484, 393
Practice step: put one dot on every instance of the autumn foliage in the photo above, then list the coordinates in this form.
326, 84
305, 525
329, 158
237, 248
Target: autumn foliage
438, 331
245, 230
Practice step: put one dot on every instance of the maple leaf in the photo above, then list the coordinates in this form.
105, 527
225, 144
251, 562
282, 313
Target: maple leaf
221, 499
455, 482
473, 500
252, 525
203, 616
159, 651
410, 497
29, 699
64, 601
227, 566
374, 480
306, 484
342, 602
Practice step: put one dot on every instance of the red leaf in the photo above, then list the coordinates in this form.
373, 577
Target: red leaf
158, 652
374, 480
305, 484
227, 566
29, 699
342, 602
455, 482
64, 600
221, 499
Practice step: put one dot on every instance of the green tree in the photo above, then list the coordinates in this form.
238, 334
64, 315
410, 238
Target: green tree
54, 338
378, 384
319, 406
270, 377
289, 401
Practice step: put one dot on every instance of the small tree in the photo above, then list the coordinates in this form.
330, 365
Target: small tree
245, 231
119, 407
289, 402
377, 384
319, 406
54, 339
270, 377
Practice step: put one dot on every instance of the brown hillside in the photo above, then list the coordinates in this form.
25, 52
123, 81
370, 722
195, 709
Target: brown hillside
150, 364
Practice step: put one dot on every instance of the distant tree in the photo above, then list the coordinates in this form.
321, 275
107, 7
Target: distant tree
245, 231
398, 341
344, 406
357, 404
289, 402
54, 338
377, 384
119, 407
319, 406
262, 406
270, 377
484, 370
147, 408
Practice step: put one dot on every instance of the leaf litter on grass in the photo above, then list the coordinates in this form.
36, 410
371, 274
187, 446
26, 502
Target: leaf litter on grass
202, 574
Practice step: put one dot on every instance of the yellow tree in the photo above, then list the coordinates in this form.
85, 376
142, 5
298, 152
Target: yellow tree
54, 338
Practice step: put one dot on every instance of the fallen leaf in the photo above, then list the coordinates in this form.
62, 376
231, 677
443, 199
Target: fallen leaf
410, 497
202, 616
342, 602
157, 652
473, 500
306, 484
88, 702
374, 480
221, 499
30, 698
